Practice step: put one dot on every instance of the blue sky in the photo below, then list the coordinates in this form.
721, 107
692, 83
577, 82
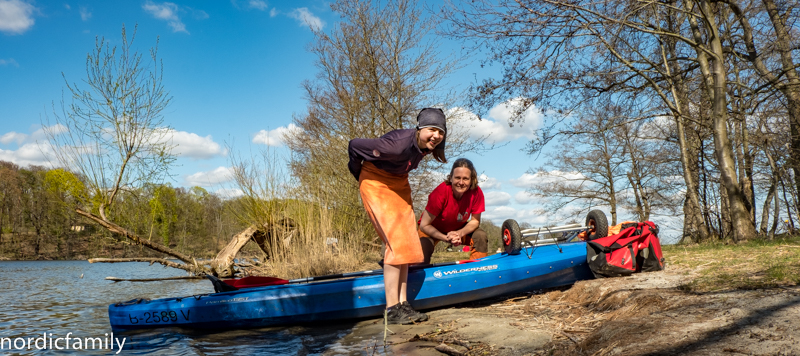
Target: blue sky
234, 69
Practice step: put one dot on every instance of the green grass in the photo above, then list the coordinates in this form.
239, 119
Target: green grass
755, 264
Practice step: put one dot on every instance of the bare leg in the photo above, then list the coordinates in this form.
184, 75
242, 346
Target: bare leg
403, 283
391, 282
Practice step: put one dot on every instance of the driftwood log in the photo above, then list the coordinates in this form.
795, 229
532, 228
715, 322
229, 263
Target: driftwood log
224, 260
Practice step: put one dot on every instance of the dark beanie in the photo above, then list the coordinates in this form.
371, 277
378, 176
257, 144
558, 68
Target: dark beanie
431, 117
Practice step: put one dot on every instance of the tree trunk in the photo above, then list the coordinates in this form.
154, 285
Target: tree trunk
725, 228
788, 209
715, 81
696, 223
791, 89
772, 193
745, 164
767, 203
612, 199
223, 263
639, 207
694, 228
777, 217
38, 244
741, 221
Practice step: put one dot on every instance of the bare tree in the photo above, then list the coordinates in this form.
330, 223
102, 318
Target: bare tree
377, 69
112, 132
559, 53
608, 158
773, 52
586, 168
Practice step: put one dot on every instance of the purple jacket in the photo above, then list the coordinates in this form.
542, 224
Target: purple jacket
395, 152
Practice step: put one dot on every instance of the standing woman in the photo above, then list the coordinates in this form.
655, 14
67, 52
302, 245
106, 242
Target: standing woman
381, 166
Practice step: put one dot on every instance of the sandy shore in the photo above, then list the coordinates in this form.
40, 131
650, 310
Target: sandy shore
645, 314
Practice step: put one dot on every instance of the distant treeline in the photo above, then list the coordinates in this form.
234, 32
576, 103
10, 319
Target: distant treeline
37, 220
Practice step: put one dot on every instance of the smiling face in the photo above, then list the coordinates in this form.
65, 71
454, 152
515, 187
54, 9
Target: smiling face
461, 181
429, 137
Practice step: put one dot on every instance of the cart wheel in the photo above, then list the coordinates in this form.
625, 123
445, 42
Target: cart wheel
512, 237
597, 223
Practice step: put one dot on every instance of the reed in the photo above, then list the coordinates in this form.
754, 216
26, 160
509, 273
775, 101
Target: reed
305, 236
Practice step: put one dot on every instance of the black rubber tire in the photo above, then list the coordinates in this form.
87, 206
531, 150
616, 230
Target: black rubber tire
512, 237
598, 223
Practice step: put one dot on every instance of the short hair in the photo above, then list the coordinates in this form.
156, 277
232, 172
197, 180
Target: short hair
464, 163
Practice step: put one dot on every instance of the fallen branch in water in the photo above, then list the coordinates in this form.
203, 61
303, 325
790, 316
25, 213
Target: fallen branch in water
162, 261
116, 279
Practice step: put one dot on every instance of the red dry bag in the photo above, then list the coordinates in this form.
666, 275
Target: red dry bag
634, 249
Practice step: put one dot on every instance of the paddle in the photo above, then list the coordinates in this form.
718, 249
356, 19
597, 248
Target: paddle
257, 281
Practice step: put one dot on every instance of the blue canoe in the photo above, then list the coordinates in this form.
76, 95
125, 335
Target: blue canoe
362, 297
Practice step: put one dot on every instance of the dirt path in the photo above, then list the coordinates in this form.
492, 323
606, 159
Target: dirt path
645, 314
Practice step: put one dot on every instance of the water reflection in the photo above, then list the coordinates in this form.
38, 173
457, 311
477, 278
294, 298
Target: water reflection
51, 297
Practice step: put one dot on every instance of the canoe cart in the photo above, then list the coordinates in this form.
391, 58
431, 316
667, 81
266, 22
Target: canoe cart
553, 257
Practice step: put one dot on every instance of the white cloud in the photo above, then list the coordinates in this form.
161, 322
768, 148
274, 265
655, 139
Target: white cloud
199, 14
306, 18
258, 4
523, 197
501, 213
533, 217
274, 137
494, 127
168, 12
503, 112
229, 193
16, 16
32, 149
487, 182
274, 12
527, 180
495, 198
85, 13
210, 178
194, 146
37, 135
187, 144
498, 214
9, 62
524, 181
12, 137
29, 154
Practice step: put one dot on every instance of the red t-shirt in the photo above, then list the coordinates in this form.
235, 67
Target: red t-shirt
451, 214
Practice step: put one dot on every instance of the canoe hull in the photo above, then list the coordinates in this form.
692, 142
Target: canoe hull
363, 297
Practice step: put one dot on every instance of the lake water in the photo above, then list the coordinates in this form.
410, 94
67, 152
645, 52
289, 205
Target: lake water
51, 298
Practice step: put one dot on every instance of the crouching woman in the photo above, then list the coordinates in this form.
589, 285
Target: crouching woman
453, 213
